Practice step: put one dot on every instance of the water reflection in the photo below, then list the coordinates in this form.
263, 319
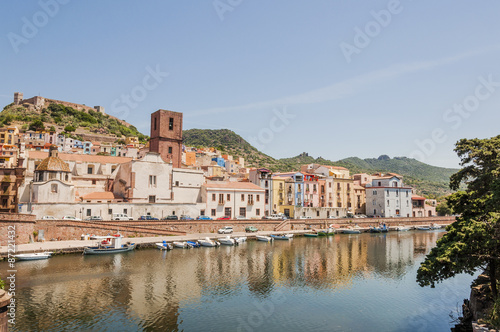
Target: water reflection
170, 291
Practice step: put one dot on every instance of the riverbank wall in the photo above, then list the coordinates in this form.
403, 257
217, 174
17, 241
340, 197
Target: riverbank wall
27, 229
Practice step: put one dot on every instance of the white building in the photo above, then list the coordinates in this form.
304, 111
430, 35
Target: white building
388, 197
233, 199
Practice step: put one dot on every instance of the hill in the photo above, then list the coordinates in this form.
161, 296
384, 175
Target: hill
430, 180
72, 122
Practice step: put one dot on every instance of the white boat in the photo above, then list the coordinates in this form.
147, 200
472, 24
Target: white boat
182, 245
209, 243
402, 228
227, 241
111, 244
424, 228
263, 238
352, 230
33, 257
164, 246
241, 240
283, 237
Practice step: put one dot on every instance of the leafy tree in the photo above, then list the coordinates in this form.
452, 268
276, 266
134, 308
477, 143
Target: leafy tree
443, 209
473, 241
52, 129
37, 125
69, 129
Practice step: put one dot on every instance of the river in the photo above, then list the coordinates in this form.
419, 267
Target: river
342, 283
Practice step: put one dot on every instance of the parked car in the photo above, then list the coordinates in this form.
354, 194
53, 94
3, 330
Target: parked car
71, 218
121, 217
241, 218
251, 229
171, 218
226, 230
304, 217
184, 217
147, 218
48, 218
204, 218
279, 216
94, 218
333, 217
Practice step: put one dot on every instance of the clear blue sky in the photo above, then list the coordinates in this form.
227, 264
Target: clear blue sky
235, 66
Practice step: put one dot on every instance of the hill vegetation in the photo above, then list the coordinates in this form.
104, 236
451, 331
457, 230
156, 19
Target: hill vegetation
430, 181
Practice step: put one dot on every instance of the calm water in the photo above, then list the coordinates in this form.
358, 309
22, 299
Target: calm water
342, 283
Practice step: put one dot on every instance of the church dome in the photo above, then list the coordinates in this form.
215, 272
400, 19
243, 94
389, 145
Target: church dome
53, 162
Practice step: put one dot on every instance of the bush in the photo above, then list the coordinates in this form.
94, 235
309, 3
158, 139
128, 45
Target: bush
37, 125
69, 129
494, 317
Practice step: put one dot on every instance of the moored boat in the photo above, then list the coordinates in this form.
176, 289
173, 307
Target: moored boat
241, 240
311, 235
164, 246
194, 244
182, 245
209, 243
402, 228
283, 237
227, 241
352, 230
109, 245
263, 238
34, 256
424, 228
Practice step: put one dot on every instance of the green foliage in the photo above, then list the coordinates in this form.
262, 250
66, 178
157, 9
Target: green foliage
473, 241
494, 316
52, 129
2, 284
443, 209
69, 129
37, 125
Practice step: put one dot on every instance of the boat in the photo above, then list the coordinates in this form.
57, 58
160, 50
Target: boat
209, 243
33, 257
164, 246
352, 230
182, 245
311, 235
402, 228
263, 238
194, 244
283, 237
434, 226
227, 241
111, 244
424, 228
241, 240
322, 233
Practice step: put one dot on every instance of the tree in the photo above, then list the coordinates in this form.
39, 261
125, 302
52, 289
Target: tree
443, 209
37, 125
473, 241
52, 129
69, 129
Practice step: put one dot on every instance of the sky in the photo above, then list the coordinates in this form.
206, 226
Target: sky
334, 79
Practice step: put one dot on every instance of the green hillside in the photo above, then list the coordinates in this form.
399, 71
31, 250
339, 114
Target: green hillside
430, 180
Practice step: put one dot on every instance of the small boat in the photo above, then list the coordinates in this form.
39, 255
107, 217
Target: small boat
434, 227
283, 237
194, 244
164, 246
110, 245
402, 228
352, 230
241, 240
182, 245
227, 241
311, 235
263, 238
424, 228
322, 233
34, 256
209, 243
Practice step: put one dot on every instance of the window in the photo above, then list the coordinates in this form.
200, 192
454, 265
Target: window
89, 212
258, 198
388, 203
169, 150
176, 183
243, 212
152, 199
221, 198
155, 124
110, 211
228, 197
250, 199
125, 211
52, 175
380, 184
375, 212
329, 185
214, 197
374, 202
257, 212
214, 212
202, 212
53, 188
317, 213
397, 193
338, 186
375, 193
67, 177
242, 197
227, 212
152, 181
171, 124
407, 193
90, 170
94, 182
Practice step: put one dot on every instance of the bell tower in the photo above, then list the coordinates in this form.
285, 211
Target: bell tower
166, 136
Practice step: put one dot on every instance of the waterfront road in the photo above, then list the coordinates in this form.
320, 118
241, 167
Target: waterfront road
76, 246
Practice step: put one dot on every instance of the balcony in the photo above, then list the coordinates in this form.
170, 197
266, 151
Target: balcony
222, 202
251, 202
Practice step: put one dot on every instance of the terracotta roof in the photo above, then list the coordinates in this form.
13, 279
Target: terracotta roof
81, 157
53, 163
105, 196
418, 198
335, 167
233, 185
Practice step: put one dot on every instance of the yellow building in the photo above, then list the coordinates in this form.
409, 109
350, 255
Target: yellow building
132, 141
9, 135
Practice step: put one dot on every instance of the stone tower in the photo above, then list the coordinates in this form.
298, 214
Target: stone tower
18, 98
166, 136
